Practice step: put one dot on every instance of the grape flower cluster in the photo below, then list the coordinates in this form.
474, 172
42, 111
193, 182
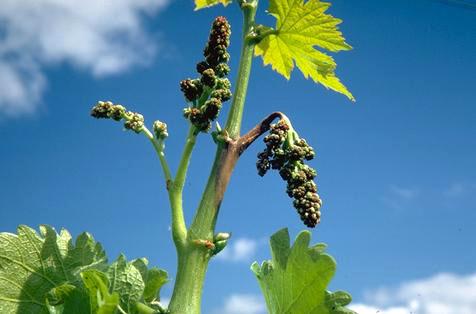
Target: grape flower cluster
207, 93
132, 120
286, 153
107, 110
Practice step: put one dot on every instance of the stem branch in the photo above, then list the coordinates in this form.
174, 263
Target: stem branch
181, 175
179, 229
159, 148
261, 128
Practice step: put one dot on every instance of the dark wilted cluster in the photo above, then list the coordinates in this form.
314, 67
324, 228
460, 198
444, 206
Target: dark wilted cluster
107, 110
288, 157
207, 93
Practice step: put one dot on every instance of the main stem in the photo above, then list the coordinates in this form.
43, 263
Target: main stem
193, 258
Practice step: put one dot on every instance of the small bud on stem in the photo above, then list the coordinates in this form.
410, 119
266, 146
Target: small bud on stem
160, 130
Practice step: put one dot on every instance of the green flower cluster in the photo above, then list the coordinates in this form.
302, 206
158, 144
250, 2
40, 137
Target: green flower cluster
288, 157
107, 110
208, 92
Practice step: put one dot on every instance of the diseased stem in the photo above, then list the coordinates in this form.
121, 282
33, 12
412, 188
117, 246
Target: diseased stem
261, 128
203, 224
193, 259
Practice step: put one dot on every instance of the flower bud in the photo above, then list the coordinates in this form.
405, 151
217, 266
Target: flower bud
222, 94
223, 83
135, 122
101, 110
192, 89
222, 236
219, 246
160, 130
202, 66
212, 107
208, 78
222, 70
116, 112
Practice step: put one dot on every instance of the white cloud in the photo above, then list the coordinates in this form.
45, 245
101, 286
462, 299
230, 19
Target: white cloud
239, 250
404, 192
459, 189
399, 197
440, 294
242, 304
101, 37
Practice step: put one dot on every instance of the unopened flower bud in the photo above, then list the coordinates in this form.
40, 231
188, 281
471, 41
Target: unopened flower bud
208, 78
160, 130
219, 246
222, 94
222, 70
222, 236
101, 110
223, 83
135, 122
202, 66
192, 89
212, 107
116, 112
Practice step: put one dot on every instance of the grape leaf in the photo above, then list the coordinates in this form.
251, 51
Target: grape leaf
200, 4
296, 278
153, 278
46, 273
300, 27
66, 299
101, 301
31, 265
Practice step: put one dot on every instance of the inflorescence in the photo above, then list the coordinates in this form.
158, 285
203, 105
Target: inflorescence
207, 93
132, 120
286, 153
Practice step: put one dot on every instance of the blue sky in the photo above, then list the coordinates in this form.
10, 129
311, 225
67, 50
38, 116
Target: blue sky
396, 169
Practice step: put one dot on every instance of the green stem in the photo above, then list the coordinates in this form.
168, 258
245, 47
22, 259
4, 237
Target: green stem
159, 148
193, 259
179, 229
235, 115
191, 270
185, 161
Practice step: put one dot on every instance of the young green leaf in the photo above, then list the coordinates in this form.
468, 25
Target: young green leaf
46, 273
300, 27
32, 264
66, 299
296, 278
200, 4
100, 299
153, 278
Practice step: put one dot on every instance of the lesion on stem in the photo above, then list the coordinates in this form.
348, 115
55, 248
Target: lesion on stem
246, 140
243, 142
230, 153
